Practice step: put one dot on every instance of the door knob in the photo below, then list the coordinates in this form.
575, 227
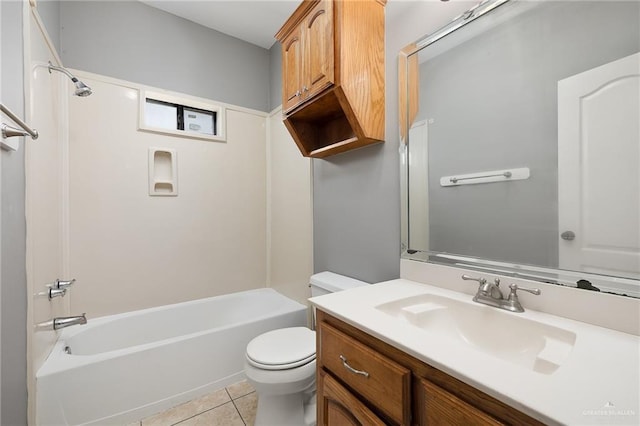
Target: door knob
568, 235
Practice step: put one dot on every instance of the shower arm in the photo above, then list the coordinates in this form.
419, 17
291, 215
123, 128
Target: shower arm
81, 88
62, 70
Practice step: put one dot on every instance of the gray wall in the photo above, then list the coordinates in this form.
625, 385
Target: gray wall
135, 42
49, 12
357, 194
275, 75
13, 275
493, 102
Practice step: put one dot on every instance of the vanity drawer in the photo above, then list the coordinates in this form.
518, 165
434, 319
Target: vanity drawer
446, 409
384, 383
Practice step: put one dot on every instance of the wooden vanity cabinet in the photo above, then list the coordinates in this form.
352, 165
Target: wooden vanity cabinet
333, 75
399, 389
376, 378
339, 407
439, 407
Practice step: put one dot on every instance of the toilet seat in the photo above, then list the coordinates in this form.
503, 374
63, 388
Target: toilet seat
282, 349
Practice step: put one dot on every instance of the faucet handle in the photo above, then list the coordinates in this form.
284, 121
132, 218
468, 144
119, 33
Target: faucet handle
62, 284
56, 292
480, 280
515, 287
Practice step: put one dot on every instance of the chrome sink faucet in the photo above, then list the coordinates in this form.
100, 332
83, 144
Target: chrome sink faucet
490, 294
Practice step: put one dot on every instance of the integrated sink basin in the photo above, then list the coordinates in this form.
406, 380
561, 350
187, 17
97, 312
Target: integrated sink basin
533, 345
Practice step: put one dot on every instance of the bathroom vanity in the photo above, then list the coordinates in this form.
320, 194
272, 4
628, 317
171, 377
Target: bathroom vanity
406, 352
384, 385
498, 151
506, 88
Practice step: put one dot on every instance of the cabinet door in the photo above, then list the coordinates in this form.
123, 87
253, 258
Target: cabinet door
292, 51
446, 409
319, 49
382, 382
339, 407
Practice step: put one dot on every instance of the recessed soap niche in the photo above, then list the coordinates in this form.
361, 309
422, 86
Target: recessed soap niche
163, 173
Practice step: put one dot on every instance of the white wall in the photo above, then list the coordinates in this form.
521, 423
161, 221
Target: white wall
90, 217
0, 236
13, 291
129, 250
45, 197
290, 234
241, 220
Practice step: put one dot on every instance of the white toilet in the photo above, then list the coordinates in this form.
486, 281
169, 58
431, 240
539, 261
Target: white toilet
281, 365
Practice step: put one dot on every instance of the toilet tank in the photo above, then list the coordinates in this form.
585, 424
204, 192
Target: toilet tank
328, 282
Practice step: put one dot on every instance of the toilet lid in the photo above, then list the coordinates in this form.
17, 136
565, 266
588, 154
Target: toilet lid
281, 349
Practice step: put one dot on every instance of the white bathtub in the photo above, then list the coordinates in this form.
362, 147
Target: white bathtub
127, 366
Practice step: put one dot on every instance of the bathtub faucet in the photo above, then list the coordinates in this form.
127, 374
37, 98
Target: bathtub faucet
62, 322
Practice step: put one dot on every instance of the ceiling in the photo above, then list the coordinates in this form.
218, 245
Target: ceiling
254, 21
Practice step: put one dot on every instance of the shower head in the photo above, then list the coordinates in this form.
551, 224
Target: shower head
81, 88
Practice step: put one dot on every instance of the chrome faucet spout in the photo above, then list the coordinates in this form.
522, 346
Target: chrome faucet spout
486, 289
62, 322
492, 290
490, 294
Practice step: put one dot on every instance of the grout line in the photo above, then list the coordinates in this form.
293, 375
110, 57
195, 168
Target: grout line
184, 420
201, 413
236, 407
239, 413
209, 409
189, 418
197, 414
242, 396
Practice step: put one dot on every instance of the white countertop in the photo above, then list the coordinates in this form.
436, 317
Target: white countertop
598, 383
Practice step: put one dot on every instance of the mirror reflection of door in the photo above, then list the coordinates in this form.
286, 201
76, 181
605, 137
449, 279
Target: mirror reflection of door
419, 187
599, 169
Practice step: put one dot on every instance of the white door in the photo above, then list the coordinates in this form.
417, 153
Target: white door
598, 169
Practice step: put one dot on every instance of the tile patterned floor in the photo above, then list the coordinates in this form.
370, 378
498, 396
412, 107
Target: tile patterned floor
234, 405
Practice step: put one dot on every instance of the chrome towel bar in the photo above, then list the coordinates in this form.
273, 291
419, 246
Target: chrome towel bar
8, 131
486, 177
456, 179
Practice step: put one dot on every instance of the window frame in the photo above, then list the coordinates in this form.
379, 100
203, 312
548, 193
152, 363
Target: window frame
180, 102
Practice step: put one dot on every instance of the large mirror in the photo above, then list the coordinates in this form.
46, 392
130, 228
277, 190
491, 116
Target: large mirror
520, 137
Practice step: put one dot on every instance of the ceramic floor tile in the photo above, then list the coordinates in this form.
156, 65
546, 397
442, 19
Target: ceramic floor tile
239, 389
188, 409
225, 415
247, 406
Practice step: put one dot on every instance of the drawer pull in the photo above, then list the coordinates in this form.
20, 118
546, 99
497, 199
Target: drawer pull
350, 368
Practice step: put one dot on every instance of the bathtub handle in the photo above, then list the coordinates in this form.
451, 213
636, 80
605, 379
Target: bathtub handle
63, 284
350, 368
57, 292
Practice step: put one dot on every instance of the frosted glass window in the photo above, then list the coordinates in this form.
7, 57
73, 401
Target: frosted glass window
197, 120
161, 114
191, 118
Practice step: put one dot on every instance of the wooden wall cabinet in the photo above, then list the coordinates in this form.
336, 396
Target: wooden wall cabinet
364, 381
333, 75
307, 56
